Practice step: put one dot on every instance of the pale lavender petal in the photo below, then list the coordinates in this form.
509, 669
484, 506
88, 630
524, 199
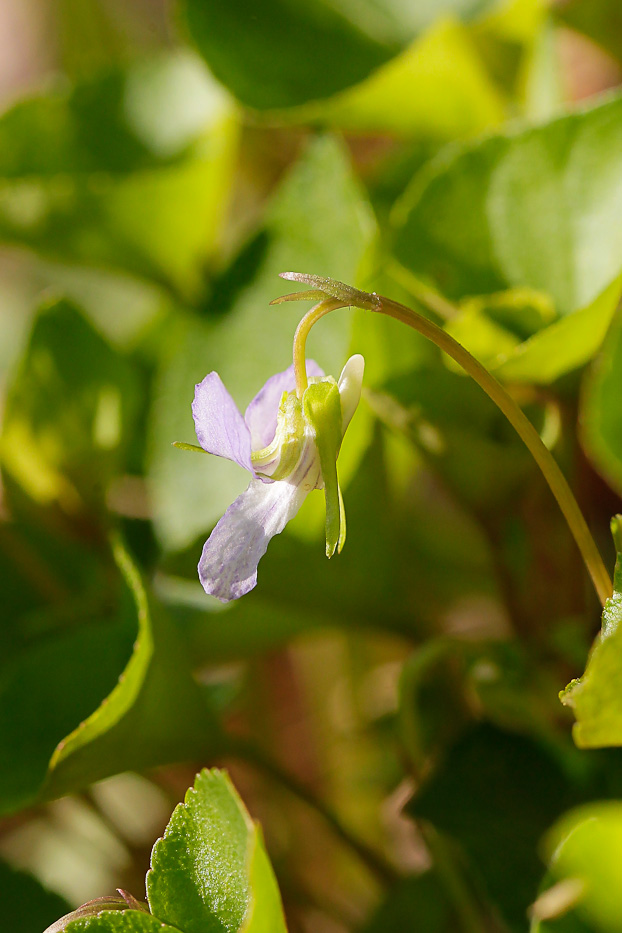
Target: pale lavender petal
228, 565
260, 416
220, 428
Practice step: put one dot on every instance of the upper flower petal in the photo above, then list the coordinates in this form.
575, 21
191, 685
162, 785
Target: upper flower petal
220, 428
228, 565
350, 382
260, 416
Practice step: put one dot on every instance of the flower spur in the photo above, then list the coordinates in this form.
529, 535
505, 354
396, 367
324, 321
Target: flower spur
289, 443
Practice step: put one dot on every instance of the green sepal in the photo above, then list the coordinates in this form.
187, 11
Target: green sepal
322, 410
181, 445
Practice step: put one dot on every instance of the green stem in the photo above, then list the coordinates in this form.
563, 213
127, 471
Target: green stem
300, 339
375, 863
495, 391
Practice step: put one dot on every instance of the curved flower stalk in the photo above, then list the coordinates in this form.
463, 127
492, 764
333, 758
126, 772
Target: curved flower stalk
289, 443
336, 294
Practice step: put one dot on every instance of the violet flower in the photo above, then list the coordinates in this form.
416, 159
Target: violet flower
289, 445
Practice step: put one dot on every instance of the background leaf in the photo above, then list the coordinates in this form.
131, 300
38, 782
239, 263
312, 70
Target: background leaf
131, 171
69, 412
595, 698
538, 208
601, 409
584, 845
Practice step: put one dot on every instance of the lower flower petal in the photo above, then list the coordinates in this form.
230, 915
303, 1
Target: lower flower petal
228, 565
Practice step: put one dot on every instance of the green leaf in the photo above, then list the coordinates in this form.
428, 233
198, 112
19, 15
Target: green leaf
120, 921
345, 41
496, 793
536, 208
319, 219
144, 193
69, 412
489, 328
585, 846
27, 907
78, 702
563, 346
279, 46
601, 409
596, 698
322, 409
210, 872
46, 690
438, 88
156, 713
418, 903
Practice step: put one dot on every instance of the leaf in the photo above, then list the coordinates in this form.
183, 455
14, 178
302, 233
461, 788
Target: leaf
496, 793
438, 87
27, 907
595, 698
536, 208
46, 689
120, 921
210, 872
584, 845
601, 409
69, 412
344, 41
78, 703
563, 346
156, 713
131, 171
279, 46
418, 903
552, 351
318, 219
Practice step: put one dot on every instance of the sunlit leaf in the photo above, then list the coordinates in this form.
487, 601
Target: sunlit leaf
555, 348
117, 921
536, 208
595, 698
583, 850
437, 87
210, 871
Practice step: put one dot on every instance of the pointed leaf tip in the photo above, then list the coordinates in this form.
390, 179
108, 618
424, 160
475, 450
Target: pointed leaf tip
297, 296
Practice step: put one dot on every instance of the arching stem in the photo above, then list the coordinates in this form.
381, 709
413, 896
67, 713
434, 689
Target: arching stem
300, 339
345, 295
